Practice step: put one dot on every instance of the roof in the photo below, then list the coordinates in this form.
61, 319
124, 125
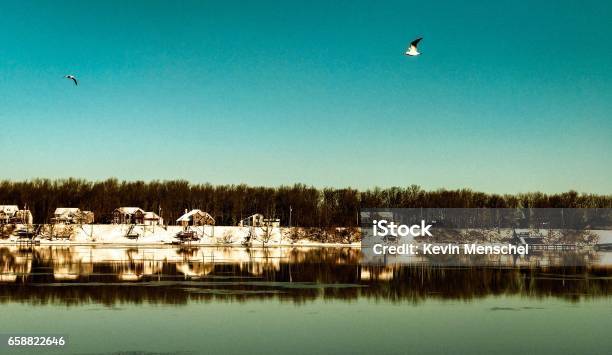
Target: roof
129, 210
151, 215
9, 209
189, 215
66, 210
253, 215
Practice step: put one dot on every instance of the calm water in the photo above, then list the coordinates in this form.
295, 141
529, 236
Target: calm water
300, 300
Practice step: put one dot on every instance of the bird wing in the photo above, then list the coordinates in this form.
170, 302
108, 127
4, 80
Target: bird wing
75, 81
415, 42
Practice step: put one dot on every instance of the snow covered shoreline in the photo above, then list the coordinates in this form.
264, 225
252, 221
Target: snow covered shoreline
118, 234
141, 235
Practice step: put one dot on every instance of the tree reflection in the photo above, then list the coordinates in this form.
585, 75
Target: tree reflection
81, 275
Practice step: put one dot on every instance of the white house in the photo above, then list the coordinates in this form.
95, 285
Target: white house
7, 212
195, 218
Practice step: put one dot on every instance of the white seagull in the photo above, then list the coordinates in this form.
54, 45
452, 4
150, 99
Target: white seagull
71, 77
412, 50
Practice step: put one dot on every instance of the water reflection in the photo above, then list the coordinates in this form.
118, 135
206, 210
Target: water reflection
110, 275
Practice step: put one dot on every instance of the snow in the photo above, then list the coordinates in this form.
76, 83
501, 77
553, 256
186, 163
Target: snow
159, 235
129, 210
9, 209
66, 210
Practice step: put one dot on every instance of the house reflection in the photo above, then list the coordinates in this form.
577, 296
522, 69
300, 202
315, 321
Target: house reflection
296, 274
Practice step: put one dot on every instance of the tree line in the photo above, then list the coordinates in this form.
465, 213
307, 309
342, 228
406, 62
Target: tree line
228, 204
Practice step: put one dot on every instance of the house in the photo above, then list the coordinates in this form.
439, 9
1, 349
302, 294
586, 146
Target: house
152, 219
136, 215
87, 217
258, 220
195, 218
7, 212
255, 220
12, 214
128, 215
71, 215
22, 217
65, 215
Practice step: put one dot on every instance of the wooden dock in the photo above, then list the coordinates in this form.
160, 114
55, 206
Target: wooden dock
27, 242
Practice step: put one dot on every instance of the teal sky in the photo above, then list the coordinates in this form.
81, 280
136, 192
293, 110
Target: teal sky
507, 96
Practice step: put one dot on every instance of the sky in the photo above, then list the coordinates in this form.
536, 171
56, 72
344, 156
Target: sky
506, 97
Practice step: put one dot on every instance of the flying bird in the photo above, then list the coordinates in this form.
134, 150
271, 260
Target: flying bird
412, 49
71, 77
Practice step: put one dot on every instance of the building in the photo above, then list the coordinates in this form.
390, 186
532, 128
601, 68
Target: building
136, 215
255, 220
128, 215
7, 212
65, 215
195, 218
12, 214
87, 217
152, 219
258, 220
71, 215
22, 217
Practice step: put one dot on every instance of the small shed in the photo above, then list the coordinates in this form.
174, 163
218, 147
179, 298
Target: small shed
195, 218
